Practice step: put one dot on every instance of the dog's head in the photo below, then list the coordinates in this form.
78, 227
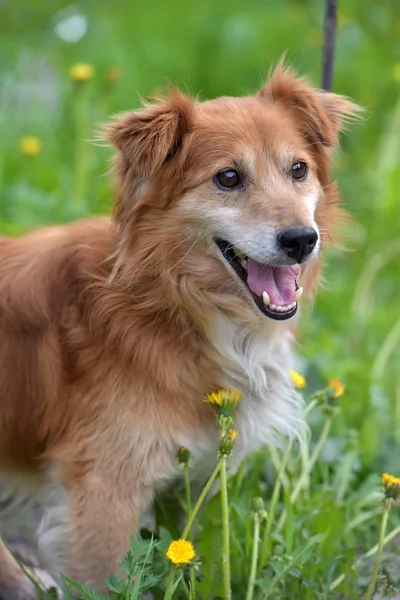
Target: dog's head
240, 186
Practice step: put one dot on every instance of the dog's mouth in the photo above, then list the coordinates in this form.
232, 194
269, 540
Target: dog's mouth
273, 289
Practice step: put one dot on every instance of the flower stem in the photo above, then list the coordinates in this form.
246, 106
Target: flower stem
317, 451
368, 554
310, 465
200, 500
254, 559
310, 407
372, 583
170, 583
226, 567
190, 532
267, 541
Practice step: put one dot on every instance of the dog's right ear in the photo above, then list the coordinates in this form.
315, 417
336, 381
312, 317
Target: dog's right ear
148, 137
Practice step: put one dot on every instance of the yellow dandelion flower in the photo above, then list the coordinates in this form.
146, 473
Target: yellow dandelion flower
181, 552
231, 435
396, 72
214, 398
337, 387
298, 380
81, 72
30, 146
224, 397
389, 480
391, 485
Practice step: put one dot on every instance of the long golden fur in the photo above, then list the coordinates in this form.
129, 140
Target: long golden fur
113, 331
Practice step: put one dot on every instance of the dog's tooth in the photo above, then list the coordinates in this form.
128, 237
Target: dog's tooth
266, 299
238, 253
244, 263
298, 293
272, 306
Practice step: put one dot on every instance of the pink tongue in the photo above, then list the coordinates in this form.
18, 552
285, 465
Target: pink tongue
278, 282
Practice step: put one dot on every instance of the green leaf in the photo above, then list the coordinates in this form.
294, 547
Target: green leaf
87, 592
115, 584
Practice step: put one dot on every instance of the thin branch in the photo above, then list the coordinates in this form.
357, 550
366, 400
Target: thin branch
329, 45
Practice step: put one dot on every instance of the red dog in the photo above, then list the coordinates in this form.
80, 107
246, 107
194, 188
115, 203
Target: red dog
112, 332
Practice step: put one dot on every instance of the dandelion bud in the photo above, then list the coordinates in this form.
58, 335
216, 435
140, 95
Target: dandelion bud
259, 513
184, 458
227, 442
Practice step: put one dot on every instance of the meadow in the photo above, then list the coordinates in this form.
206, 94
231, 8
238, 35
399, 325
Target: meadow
325, 504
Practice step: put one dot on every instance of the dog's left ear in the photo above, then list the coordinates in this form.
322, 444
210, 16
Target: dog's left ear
319, 115
148, 137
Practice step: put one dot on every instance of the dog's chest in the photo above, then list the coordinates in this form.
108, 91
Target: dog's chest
270, 407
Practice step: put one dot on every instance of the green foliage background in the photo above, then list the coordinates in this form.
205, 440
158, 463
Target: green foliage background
226, 48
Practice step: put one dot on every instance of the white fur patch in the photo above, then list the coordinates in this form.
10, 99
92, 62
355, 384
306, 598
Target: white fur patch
53, 529
270, 408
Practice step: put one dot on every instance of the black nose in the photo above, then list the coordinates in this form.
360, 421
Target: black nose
298, 243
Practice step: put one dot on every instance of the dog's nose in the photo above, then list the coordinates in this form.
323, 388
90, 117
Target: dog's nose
298, 243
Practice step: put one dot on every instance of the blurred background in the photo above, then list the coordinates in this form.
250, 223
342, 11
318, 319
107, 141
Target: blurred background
50, 172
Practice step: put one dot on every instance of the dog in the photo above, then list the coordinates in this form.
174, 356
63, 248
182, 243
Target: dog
114, 331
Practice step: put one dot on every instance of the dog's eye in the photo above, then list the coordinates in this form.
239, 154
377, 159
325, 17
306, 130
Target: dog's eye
299, 171
228, 179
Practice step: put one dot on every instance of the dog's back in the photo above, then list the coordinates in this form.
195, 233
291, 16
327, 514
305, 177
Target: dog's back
41, 280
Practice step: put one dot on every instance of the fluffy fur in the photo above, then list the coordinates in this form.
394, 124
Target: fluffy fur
112, 332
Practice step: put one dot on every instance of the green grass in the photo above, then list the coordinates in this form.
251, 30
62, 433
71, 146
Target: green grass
353, 331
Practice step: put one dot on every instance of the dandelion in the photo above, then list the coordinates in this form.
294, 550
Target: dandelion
224, 398
391, 485
30, 146
392, 493
298, 380
226, 402
181, 552
81, 72
337, 386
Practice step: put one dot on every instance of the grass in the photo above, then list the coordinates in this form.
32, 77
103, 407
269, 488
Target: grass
353, 330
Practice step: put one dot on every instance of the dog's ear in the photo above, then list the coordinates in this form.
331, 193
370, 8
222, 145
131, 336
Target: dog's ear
319, 115
148, 137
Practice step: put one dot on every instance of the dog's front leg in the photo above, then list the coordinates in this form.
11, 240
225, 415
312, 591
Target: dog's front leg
86, 530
